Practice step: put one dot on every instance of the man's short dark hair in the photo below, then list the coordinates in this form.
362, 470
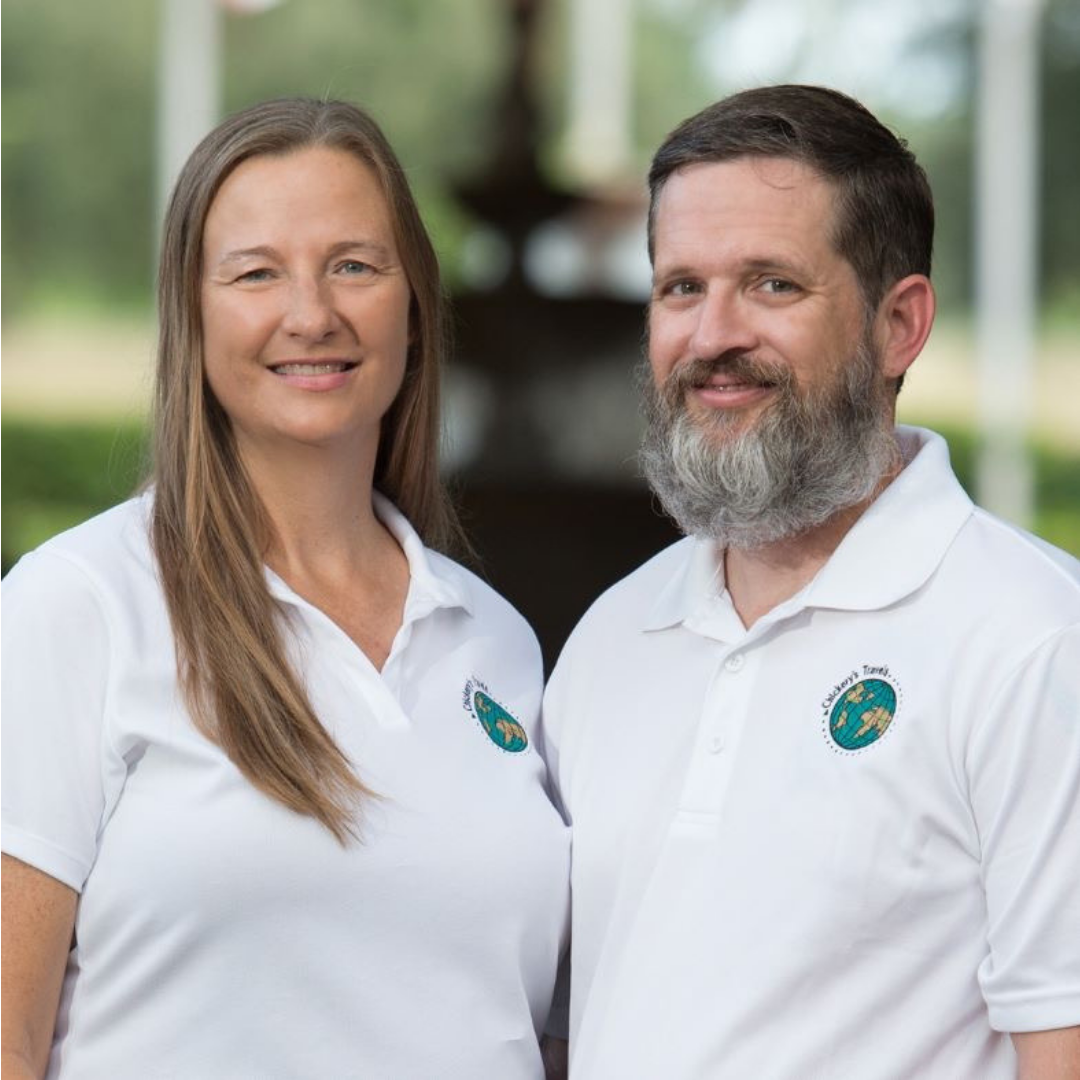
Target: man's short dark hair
884, 220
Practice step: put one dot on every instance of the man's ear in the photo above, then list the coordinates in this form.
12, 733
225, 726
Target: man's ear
903, 322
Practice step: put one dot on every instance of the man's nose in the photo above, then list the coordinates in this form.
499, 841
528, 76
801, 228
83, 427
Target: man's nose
723, 325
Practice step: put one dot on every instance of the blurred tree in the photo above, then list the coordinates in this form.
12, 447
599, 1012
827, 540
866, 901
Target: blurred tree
79, 101
78, 158
946, 147
1061, 160
79, 106
425, 68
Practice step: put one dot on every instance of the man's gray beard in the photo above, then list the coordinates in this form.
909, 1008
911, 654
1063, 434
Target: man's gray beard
807, 457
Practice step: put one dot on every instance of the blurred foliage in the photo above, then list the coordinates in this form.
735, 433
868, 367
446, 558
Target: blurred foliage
54, 476
79, 110
1060, 223
78, 140
79, 100
945, 145
427, 69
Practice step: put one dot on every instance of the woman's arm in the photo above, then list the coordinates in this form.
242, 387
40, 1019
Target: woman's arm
38, 917
1049, 1055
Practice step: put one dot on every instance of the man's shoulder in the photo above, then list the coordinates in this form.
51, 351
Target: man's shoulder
1016, 565
1000, 595
981, 566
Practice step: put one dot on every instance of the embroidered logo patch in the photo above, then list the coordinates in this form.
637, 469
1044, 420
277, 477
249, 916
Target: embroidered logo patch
860, 708
499, 726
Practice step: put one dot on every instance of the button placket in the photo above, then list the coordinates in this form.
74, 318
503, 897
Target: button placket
726, 704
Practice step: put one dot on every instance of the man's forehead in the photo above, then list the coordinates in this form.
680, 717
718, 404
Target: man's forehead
782, 174
744, 196
771, 208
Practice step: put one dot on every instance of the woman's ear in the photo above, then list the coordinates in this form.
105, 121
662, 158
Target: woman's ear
902, 324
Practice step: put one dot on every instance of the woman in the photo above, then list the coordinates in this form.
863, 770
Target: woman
271, 802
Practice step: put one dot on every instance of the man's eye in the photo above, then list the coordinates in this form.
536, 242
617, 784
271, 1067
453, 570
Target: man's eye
354, 266
779, 285
681, 288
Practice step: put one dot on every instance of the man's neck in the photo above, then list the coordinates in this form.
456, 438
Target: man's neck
759, 579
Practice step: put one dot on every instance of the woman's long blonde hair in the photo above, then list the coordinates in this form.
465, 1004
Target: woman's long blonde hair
209, 529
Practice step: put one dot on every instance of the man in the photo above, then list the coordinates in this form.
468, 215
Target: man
821, 757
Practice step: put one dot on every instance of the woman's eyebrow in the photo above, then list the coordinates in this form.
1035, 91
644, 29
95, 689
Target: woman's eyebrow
267, 252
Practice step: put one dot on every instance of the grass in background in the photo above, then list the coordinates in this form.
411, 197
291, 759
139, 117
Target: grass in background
55, 475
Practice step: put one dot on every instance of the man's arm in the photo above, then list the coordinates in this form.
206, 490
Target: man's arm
1048, 1055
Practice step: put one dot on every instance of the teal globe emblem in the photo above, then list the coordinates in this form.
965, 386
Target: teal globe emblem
862, 714
502, 729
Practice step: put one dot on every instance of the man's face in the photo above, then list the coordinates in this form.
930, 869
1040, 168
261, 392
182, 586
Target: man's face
749, 295
768, 411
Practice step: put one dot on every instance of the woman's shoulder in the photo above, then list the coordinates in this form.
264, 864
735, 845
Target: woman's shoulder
482, 599
452, 583
110, 548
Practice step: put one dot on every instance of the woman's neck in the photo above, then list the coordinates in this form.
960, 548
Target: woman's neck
318, 503
327, 543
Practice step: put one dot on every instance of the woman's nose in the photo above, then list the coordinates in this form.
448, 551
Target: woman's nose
310, 314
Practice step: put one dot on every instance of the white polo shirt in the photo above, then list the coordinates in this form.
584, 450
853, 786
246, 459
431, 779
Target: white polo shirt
220, 936
844, 843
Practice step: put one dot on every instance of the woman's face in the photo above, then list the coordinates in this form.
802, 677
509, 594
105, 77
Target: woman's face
305, 304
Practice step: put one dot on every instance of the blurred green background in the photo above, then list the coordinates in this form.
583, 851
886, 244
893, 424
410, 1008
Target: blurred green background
79, 215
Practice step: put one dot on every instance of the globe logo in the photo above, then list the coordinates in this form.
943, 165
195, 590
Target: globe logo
862, 714
503, 730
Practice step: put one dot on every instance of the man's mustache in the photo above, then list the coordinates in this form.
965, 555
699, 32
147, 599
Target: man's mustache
699, 371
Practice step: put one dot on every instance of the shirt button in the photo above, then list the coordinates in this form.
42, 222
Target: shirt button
734, 662
716, 744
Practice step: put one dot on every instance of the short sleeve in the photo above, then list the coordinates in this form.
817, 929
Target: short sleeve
1024, 773
55, 656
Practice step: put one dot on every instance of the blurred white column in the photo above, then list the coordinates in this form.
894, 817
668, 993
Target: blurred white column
189, 84
1007, 171
599, 139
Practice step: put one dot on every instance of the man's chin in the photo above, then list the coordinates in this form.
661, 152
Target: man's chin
719, 427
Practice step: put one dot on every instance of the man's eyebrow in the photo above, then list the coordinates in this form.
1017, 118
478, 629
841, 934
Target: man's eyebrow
674, 271
775, 264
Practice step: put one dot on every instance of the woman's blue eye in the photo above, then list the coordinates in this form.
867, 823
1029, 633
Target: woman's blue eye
354, 266
254, 275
